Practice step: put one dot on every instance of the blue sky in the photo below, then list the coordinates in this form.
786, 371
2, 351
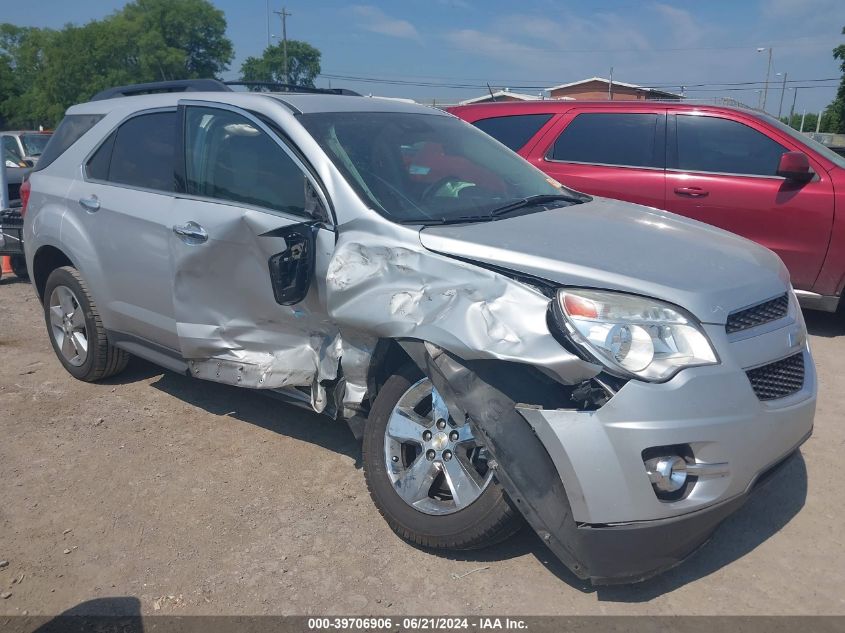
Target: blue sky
533, 42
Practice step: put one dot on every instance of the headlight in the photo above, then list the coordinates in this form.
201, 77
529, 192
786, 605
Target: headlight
634, 336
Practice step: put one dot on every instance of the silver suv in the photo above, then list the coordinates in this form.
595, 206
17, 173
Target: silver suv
619, 376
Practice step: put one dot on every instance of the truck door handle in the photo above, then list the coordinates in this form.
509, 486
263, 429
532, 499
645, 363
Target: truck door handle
691, 192
191, 232
90, 204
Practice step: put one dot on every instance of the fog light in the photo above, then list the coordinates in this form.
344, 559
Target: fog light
667, 474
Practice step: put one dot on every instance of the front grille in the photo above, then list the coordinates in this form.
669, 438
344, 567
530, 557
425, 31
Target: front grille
779, 379
758, 315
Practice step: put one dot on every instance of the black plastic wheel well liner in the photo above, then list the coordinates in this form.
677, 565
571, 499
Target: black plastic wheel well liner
388, 356
46, 260
485, 394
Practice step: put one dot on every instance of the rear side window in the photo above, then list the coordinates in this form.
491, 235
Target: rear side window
141, 153
229, 158
630, 140
98, 164
513, 131
711, 144
70, 130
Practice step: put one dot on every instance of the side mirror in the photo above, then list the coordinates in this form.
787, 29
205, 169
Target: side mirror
292, 269
795, 166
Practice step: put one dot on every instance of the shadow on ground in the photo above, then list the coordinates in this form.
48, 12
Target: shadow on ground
10, 278
769, 508
119, 613
247, 405
827, 324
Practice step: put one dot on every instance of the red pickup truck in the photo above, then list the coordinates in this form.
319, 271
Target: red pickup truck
737, 169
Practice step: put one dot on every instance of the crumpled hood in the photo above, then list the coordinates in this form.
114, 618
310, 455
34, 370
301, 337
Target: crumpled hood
621, 246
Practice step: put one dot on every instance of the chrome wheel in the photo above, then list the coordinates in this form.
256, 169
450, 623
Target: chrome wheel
67, 322
435, 465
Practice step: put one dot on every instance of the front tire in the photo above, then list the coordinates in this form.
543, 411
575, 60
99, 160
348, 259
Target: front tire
75, 329
427, 475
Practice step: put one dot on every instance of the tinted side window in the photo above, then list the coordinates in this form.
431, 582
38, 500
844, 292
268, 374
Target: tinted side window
98, 164
611, 139
721, 145
513, 131
229, 158
70, 130
144, 152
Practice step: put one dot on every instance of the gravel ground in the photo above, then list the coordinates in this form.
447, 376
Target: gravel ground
196, 498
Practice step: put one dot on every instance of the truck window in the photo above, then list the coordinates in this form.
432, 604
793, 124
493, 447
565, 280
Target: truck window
618, 139
143, 152
229, 158
711, 144
513, 131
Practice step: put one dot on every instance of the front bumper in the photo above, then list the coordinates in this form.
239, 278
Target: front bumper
631, 552
578, 477
598, 454
625, 532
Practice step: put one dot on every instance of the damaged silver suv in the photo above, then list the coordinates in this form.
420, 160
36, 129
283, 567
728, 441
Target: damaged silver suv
618, 376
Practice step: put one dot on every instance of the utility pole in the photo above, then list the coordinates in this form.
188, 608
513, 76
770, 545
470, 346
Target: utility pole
610, 86
284, 15
792, 109
268, 23
768, 73
782, 90
818, 121
803, 116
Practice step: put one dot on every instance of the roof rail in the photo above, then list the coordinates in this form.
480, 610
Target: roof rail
283, 87
181, 85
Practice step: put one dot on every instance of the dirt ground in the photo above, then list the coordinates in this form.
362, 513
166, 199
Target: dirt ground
196, 498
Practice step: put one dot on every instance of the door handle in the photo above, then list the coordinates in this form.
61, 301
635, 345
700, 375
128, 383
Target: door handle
90, 204
191, 232
691, 192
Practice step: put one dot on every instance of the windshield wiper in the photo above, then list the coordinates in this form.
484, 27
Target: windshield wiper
531, 201
461, 219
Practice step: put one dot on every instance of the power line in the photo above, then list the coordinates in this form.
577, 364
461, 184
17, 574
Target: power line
715, 86
739, 89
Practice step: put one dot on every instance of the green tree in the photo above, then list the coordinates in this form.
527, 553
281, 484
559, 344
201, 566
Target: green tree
303, 64
809, 121
147, 40
174, 39
833, 118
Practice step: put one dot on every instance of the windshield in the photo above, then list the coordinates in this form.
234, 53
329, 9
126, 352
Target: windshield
828, 153
429, 168
34, 144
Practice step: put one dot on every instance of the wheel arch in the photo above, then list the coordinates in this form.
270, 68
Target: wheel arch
388, 356
47, 259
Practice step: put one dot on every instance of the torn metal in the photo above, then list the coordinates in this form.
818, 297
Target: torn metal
376, 282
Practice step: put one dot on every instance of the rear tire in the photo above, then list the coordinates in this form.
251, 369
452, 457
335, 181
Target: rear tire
19, 266
76, 330
433, 517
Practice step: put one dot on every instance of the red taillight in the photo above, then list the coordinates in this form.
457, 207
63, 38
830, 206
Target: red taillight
25, 187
